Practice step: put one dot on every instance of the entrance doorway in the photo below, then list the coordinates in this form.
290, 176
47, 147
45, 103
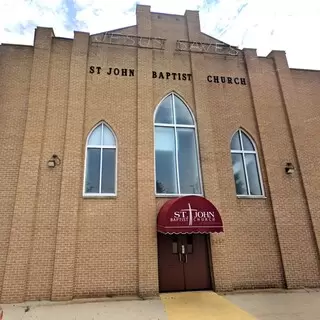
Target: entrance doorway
183, 262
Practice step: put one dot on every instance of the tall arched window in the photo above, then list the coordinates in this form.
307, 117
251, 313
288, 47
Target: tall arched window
100, 165
176, 149
245, 164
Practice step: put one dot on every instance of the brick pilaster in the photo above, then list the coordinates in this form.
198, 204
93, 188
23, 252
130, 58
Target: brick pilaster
222, 275
147, 236
295, 115
72, 173
289, 204
15, 278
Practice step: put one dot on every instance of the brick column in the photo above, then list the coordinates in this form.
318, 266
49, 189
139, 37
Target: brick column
147, 235
220, 251
15, 278
72, 173
292, 219
294, 112
46, 214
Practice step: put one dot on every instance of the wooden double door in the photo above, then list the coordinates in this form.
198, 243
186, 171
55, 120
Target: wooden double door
183, 263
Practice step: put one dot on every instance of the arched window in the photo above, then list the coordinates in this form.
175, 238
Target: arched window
100, 165
245, 164
176, 149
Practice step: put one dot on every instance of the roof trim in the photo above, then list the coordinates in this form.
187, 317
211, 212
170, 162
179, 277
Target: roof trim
227, 44
113, 30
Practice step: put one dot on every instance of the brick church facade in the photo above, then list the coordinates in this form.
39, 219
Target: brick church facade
109, 140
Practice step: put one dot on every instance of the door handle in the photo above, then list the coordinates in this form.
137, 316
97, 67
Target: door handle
184, 253
185, 259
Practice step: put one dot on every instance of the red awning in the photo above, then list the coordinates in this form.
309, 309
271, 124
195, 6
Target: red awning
189, 214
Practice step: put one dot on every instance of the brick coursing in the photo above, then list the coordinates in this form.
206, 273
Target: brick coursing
56, 244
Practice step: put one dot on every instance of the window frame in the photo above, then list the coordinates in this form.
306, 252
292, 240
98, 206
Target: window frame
175, 126
243, 152
101, 147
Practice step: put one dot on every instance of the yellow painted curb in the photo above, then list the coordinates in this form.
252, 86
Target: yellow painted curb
201, 306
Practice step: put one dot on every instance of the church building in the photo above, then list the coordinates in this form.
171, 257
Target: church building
155, 158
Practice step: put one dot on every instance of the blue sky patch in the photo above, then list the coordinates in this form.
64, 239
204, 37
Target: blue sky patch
72, 12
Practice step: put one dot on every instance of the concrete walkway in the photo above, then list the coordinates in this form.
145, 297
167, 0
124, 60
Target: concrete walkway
104, 310
285, 305
201, 305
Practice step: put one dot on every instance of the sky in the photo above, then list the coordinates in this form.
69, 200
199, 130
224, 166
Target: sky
290, 25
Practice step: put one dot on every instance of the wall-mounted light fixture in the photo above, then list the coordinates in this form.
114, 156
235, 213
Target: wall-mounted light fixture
289, 168
54, 161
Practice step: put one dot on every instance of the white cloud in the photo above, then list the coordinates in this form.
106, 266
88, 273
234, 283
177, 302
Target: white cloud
102, 15
18, 19
279, 25
274, 24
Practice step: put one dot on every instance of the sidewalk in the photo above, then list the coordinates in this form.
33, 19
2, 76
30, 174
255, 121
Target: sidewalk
284, 305
104, 310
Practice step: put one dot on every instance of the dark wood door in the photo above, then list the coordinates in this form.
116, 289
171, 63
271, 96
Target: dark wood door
171, 275
196, 267
183, 263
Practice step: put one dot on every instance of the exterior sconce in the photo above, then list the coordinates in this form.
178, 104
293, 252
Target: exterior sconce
289, 168
54, 160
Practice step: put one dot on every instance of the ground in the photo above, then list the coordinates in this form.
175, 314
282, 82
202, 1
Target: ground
271, 305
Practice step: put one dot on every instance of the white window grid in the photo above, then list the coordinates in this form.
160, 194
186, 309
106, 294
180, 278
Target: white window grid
175, 126
243, 152
101, 147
